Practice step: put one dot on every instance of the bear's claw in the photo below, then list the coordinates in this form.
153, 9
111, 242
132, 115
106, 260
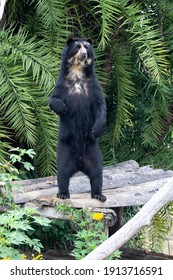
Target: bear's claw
63, 196
100, 197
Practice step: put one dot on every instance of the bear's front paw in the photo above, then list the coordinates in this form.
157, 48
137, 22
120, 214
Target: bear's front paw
63, 110
63, 196
58, 106
100, 197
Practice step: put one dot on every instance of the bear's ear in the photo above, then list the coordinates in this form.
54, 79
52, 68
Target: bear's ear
89, 41
70, 41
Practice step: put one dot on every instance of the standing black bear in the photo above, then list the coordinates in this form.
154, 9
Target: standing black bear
79, 101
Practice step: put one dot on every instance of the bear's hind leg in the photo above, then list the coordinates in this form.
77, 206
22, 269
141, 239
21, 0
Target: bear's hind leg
96, 186
66, 168
94, 170
63, 183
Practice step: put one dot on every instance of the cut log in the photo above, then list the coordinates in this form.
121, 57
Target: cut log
140, 220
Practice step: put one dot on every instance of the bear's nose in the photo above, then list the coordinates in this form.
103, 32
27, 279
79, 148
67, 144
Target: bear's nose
83, 55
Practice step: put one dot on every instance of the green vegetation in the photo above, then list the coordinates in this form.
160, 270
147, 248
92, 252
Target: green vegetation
152, 237
88, 230
16, 222
134, 56
9, 172
133, 42
14, 225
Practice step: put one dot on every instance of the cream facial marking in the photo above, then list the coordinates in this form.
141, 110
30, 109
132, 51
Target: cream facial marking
83, 49
89, 60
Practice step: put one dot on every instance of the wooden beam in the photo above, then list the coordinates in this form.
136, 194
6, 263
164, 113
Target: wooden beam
124, 184
118, 197
140, 220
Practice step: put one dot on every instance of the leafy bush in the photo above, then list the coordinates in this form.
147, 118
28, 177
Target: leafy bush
16, 222
89, 229
58, 236
14, 225
9, 172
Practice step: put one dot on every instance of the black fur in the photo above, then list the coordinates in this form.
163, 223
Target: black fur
79, 101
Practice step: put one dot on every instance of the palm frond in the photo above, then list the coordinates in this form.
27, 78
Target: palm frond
15, 9
145, 37
159, 228
162, 9
15, 99
157, 101
162, 157
107, 13
169, 41
47, 131
26, 78
53, 18
4, 145
122, 74
100, 64
32, 55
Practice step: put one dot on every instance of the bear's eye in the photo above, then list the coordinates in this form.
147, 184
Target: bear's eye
78, 46
86, 47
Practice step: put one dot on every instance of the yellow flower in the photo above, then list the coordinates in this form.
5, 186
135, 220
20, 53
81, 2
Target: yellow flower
23, 256
98, 216
39, 257
5, 259
71, 216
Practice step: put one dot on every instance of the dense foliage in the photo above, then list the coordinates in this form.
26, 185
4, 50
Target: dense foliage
17, 223
134, 57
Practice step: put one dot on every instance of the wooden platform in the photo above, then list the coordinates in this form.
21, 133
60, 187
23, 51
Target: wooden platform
124, 184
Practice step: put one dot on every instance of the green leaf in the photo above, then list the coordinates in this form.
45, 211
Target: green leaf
15, 158
146, 39
41, 221
107, 13
28, 166
125, 90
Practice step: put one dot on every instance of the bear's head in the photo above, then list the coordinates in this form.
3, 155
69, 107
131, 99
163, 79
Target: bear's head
78, 52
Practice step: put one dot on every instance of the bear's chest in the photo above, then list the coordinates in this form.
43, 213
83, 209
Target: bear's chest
78, 103
78, 99
76, 82
78, 88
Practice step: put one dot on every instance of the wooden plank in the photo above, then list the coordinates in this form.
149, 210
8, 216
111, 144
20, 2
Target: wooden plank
79, 178
118, 197
47, 212
117, 176
124, 184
